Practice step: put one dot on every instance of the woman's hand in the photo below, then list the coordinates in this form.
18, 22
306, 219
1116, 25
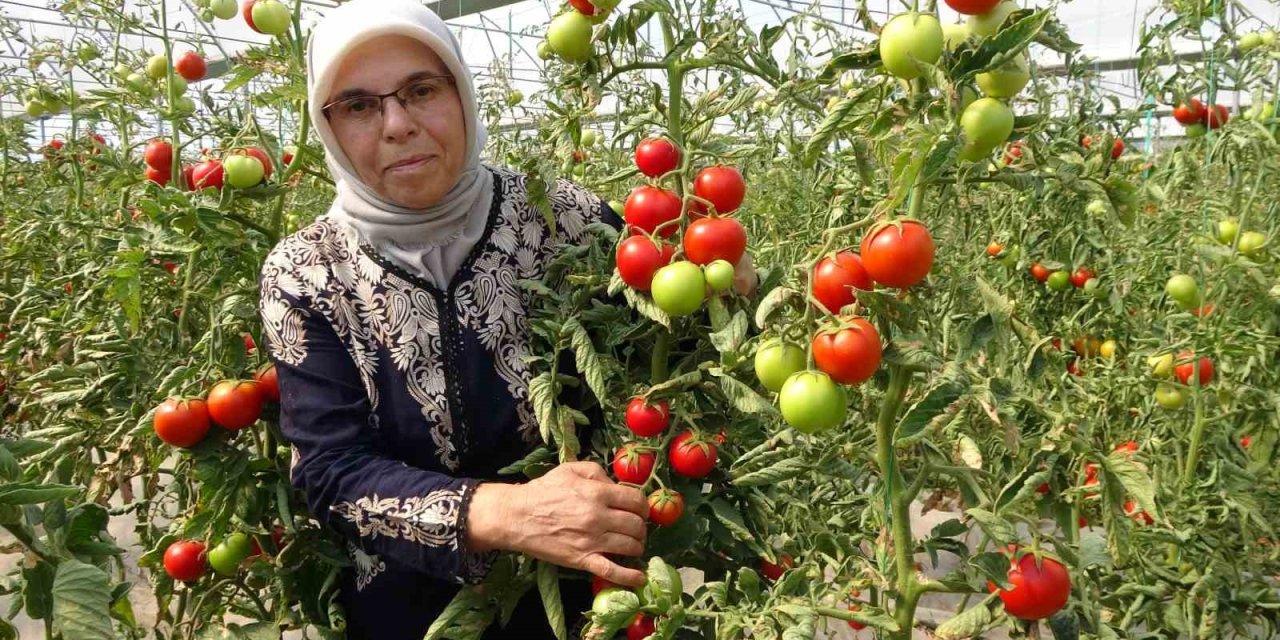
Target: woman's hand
574, 516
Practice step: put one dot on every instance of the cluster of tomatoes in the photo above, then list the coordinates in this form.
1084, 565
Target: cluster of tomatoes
713, 243
690, 454
569, 34
241, 169
846, 350
1196, 118
1117, 146
231, 404
190, 560
1059, 280
1186, 368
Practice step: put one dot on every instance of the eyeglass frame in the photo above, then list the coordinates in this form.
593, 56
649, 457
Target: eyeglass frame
393, 94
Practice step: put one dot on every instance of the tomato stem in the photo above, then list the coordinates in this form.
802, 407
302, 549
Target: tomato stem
897, 499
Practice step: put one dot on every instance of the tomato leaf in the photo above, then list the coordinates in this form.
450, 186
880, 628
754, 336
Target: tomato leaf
970, 623
81, 598
952, 384
587, 359
549, 589
542, 396
991, 52
865, 58
1134, 478
729, 338
771, 302
743, 397
615, 611
19, 493
803, 625
996, 528
783, 470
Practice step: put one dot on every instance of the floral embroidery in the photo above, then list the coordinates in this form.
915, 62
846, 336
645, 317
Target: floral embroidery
431, 519
367, 566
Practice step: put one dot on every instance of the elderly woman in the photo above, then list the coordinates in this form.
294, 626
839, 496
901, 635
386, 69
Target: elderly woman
398, 330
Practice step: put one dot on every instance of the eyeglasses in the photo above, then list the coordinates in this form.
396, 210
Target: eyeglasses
418, 95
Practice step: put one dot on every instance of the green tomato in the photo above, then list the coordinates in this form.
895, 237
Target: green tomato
954, 35
811, 402
227, 556
617, 207
908, 40
139, 83
157, 67
1196, 130
1227, 229
570, 37
184, 106
121, 71
1251, 242
1161, 365
1059, 281
205, 15
987, 123
1183, 289
1268, 37
588, 138
1097, 207
987, 24
1093, 288
179, 85
679, 288
967, 97
242, 171
1006, 80
719, 275
1010, 258
34, 108
544, 50
271, 17
776, 361
1249, 41
1169, 396
224, 9
514, 98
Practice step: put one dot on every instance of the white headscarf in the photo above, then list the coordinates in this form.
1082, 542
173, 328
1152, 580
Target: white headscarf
431, 242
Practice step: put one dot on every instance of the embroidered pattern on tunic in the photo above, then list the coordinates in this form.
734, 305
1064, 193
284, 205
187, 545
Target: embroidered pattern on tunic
431, 519
367, 566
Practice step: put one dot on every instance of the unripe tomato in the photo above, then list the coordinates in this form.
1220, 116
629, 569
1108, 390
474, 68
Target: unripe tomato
223, 9
569, 36
1227, 230
657, 156
243, 171
648, 208
648, 420
711, 239
268, 16
988, 23
235, 405
811, 402
850, 355
1059, 281
898, 254
1108, 349
776, 361
638, 258
633, 465
954, 35
262, 157
184, 560
909, 40
720, 275
665, 507
1161, 365
1006, 80
836, 277
691, 456
1036, 591
225, 558
1251, 242
987, 124
181, 423
679, 288
1196, 130
722, 186
1183, 289
157, 67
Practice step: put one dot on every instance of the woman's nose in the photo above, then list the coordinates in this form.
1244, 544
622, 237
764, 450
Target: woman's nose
397, 122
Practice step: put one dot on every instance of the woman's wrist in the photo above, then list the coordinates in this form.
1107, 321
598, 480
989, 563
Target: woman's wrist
488, 519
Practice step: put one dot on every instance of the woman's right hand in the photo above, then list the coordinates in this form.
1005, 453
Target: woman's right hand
574, 516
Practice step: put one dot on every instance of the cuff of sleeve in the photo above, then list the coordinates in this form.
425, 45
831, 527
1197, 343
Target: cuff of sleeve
472, 566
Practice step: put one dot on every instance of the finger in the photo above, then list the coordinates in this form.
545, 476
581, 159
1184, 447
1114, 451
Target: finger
620, 545
599, 565
588, 470
626, 523
628, 499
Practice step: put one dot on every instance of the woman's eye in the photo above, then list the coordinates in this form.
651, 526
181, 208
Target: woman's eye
421, 90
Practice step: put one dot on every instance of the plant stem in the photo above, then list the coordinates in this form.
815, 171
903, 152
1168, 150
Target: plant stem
658, 361
895, 487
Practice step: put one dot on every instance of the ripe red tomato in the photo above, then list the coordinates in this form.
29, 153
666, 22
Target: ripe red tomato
972, 7
1081, 276
835, 278
665, 507
648, 420
633, 465
1129, 447
185, 560
994, 249
187, 177
158, 155
1013, 153
1131, 510
854, 624
51, 150
207, 174
1193, 113
268, 383
1188, 366
691, 456
722, 186
772, 571
1216, 116
850, 355
235, 404
657, 156
640, 628
711, 239
1086, 141
286, 159
1117, 149
1036, 592
158, 176
1039, 272
599, 584
898, 256
181, 423
1043, 489
190, 66
648, 207
584, 7
249, 345
1245, 441
639, 258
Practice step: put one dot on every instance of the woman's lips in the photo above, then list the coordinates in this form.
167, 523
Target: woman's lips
410, 165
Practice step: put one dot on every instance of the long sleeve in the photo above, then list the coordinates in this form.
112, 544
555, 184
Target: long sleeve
383, 506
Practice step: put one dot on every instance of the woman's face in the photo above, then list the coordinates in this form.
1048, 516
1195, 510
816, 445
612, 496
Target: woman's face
411, 156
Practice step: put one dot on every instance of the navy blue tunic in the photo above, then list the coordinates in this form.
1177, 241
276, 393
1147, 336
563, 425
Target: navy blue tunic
398, 398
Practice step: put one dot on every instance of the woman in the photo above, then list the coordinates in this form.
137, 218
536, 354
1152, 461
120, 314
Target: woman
397, 330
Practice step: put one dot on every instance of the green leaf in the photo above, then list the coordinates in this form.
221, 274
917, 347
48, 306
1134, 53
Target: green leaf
1000, 48
864, 58
81, 601
730, 337
586, 358
37, 585
951, 386
731, 519
743, 397
771, 302
549, 589
19, 493
1133, 478
542, 396
996, 528
615, 611
782, 470
968, 624
9, 469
